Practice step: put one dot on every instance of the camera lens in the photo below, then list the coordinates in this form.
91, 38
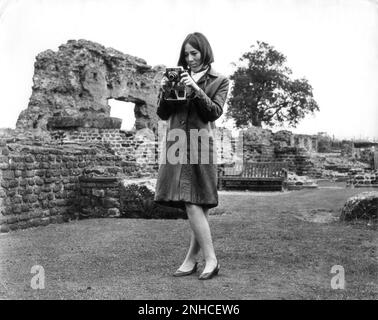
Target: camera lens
172, 75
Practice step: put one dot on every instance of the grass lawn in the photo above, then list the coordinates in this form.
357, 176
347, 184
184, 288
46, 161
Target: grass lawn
269, 246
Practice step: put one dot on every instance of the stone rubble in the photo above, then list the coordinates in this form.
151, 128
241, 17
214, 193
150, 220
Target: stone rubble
362, 206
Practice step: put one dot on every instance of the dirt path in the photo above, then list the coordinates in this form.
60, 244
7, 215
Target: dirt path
265, 249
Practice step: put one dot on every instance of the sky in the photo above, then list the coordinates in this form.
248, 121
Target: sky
332, 43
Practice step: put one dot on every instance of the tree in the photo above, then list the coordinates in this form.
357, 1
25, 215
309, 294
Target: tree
263, 91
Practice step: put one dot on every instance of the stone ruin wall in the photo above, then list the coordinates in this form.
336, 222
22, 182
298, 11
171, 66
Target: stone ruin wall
43, 182
78, 80
263, 145
66, 133
127, 145
40, 182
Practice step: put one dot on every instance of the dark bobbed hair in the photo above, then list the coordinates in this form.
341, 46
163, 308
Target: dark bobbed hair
199, 42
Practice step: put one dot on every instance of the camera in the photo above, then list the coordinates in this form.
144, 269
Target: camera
174, 74
174, 90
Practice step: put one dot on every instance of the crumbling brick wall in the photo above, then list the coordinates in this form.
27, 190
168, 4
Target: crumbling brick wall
39, 184
126, 144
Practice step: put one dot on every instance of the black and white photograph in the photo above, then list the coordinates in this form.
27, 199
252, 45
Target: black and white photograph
202, 152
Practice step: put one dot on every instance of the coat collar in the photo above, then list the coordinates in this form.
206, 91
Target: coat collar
210, 72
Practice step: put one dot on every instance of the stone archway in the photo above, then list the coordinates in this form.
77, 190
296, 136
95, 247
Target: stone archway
76, 82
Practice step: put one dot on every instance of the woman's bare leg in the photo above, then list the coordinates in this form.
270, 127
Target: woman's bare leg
194, 249
201, 230
191, 256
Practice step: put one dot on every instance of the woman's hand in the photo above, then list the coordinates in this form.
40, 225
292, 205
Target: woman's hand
163, 81
188, 81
